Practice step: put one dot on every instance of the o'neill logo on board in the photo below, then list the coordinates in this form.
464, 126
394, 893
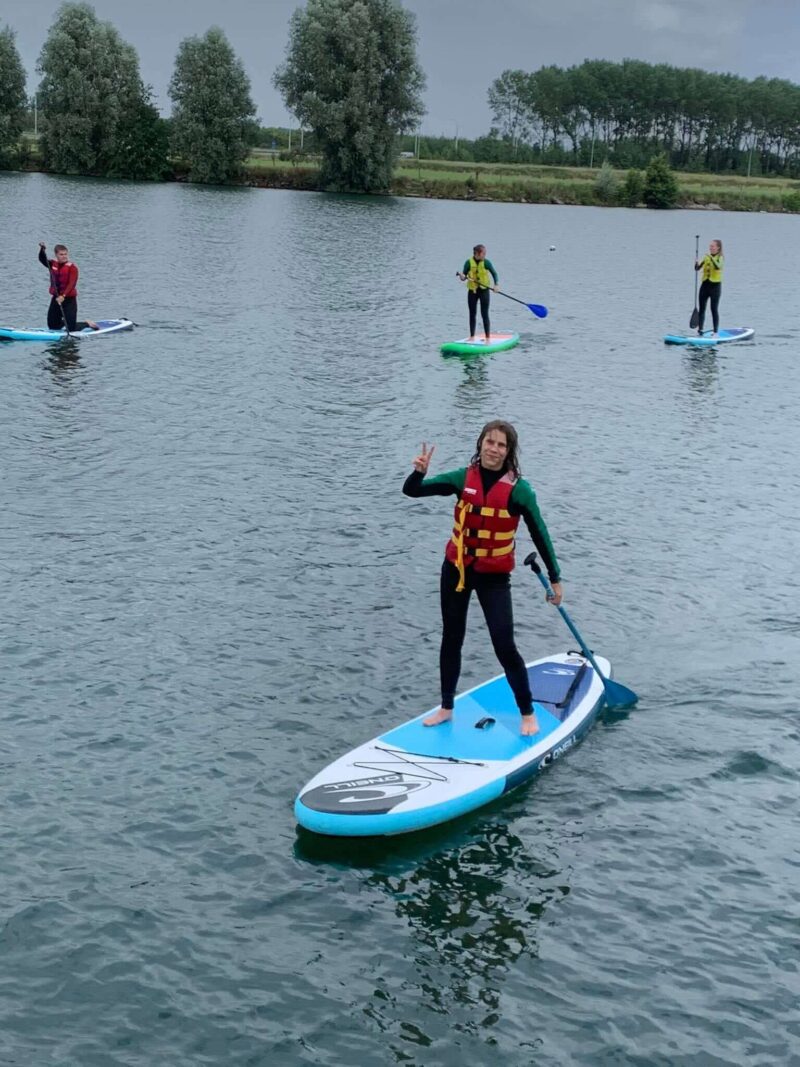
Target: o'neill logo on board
362, 796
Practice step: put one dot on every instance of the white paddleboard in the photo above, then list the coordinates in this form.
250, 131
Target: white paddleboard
418, 776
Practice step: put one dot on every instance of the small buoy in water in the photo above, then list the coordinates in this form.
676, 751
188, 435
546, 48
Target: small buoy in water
552, 248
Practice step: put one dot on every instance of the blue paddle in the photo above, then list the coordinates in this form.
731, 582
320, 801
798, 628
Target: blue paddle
539, 310
617, 696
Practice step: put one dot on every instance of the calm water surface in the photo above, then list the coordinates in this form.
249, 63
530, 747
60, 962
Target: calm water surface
212, 585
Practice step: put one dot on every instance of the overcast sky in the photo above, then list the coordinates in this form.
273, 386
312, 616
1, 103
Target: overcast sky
463, 44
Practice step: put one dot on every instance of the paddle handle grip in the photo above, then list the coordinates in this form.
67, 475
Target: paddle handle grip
530, 561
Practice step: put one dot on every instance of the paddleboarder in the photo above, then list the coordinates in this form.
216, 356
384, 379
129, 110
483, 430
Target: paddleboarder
63, 308
478, 273
492, 497
711, 286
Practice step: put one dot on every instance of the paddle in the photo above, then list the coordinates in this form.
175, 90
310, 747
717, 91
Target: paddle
617, 696
695, 319
539, 310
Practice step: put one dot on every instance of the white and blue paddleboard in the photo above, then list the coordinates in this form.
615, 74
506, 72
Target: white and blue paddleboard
710, 340
418, 776
104, 326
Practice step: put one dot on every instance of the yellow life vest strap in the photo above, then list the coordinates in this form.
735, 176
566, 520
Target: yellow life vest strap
458, 540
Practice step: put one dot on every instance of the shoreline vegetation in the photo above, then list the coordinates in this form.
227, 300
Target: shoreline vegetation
519, 183
540, 184
601, 134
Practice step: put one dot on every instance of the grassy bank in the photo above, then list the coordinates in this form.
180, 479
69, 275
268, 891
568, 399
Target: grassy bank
520, 183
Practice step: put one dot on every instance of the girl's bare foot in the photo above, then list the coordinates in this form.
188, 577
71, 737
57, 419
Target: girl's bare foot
530, 726
438, 717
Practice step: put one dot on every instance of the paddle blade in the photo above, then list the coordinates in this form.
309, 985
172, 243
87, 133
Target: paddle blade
694, 321
539, 310
618, 696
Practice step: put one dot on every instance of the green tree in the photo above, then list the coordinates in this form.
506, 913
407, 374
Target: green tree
632, 192
90, 89
606, 184
351, 75
660, 184
141, 145
212, 112
13, 100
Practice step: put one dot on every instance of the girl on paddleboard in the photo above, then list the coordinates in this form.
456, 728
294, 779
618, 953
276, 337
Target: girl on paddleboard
478, 273
492, 498
711, 285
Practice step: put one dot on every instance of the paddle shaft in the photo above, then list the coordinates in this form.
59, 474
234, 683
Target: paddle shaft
695, 316
539, 310
617, 695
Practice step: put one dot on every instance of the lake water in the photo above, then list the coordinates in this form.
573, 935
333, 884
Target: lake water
212, 585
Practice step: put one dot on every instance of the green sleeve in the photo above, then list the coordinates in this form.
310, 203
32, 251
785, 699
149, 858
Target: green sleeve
492, 271
524, 498
455, 478
465, 268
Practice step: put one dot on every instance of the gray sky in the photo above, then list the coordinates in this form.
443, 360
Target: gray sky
463, 44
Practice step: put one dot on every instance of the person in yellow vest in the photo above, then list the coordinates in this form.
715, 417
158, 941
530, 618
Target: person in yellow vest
482, 280
711, 286
491, 498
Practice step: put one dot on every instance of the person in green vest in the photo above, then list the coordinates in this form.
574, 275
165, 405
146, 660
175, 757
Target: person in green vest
478, 273
711, 285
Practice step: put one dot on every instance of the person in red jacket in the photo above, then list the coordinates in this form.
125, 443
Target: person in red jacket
63, 310
492, 497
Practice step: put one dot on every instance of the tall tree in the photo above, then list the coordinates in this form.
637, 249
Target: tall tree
90, 82
212, 113
12, 94
351, 74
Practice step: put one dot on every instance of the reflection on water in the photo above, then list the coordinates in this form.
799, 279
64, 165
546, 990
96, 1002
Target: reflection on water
702, 369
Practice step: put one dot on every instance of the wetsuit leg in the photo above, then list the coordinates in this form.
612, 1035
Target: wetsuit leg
472, 304
485, 295
54, 319
705, 293
70, 307
716, 293
454, 627
494, 595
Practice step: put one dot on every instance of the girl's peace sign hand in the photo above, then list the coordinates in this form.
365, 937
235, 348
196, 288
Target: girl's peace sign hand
422, 461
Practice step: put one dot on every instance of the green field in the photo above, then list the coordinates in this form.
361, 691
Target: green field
525, 183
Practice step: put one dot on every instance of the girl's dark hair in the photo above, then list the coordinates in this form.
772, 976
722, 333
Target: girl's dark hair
717, 240
477, 248
60, 248
512, 440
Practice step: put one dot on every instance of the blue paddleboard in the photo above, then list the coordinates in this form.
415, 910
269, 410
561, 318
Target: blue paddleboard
416, 776
11, 333
710, 340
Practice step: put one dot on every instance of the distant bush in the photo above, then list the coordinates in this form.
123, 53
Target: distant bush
606, 184
791, 202
632, 192
660, 184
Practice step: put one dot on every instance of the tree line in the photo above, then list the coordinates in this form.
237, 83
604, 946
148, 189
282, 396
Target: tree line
352, 79
350, 76
625, 112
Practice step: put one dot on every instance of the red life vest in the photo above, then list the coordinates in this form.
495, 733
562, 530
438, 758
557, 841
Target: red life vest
63, 279
483, 532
